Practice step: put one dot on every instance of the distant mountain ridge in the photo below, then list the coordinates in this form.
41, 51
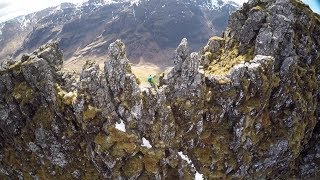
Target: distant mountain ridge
150, 28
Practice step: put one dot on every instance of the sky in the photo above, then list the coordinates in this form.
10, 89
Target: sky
13, 8
314, 5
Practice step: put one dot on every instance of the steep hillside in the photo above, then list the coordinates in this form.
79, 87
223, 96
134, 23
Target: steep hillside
244, 107
151, 29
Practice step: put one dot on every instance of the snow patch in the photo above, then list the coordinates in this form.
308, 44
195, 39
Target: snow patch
1, 26
106, 2
121, 126
58, 8
184, 157
134, 13
96, 4
198, 176
23, 21
146, 143
136, 2
112, 15
109, 1
217, 4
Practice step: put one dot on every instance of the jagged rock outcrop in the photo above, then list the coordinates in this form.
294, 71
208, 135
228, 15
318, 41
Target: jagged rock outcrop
242, 107
54, 126
277, 109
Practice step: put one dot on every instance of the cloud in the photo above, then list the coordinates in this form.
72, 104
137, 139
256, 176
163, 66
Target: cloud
13, 8
3, 5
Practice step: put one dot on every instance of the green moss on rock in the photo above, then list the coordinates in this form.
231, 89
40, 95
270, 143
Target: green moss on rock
203, 155
43, 116
23, 93
15, 68
151, 161
133, 166
228, 59
103, 142
90, 113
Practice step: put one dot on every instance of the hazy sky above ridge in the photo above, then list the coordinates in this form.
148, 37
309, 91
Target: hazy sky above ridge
13, 8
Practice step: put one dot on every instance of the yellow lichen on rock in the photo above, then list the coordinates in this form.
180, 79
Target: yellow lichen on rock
216, 38
90, 113
227, 60
23, 93
68, 98
257, 8
133, 167
15, 68
103, 142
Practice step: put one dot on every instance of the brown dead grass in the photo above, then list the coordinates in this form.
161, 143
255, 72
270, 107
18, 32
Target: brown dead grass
142, 70
76, 64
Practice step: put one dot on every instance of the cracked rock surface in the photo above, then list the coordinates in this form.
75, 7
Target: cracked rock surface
245, 106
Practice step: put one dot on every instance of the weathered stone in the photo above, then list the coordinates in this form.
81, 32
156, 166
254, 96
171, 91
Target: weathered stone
251, 111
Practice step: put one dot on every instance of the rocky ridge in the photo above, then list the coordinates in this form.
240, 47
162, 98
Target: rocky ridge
242, 107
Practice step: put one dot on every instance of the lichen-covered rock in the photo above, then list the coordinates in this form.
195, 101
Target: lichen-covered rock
124, 89
245, 106
281, 94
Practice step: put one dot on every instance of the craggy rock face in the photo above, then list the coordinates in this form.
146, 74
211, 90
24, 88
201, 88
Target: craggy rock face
246, 106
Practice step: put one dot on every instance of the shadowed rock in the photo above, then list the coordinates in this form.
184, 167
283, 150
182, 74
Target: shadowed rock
236, 109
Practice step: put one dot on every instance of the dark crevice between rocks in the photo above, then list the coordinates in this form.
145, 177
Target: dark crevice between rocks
2, 140
309, 158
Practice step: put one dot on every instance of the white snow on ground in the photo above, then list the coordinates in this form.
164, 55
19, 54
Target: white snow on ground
134, 13
219, 3
58, 8
121, 126
23, 21
137, 2
146, 143
184, 157
198, 176
214, 3
102, 3
109, 1
1, 26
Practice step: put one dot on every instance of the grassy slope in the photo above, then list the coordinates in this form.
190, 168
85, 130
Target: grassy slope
142, 70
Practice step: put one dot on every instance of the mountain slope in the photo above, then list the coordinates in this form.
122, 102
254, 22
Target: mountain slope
150, 28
